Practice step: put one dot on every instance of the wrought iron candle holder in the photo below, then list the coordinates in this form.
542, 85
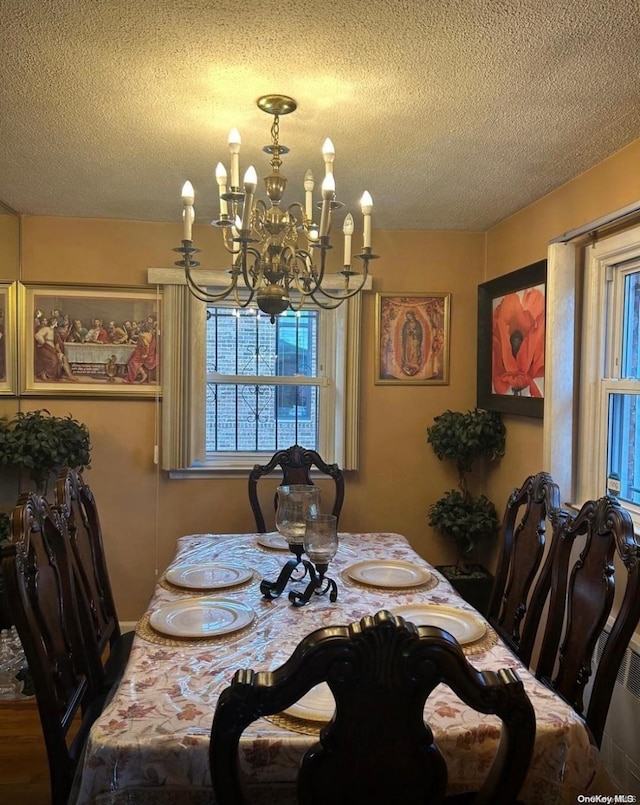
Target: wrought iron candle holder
319, 584
273, 589
296, 503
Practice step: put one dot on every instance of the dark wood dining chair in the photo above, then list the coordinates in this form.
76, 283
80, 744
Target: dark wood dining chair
67, 676
77, 503
583, 581
377, 748
532, 513
295, 463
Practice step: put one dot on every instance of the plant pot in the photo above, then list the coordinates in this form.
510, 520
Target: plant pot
474, 586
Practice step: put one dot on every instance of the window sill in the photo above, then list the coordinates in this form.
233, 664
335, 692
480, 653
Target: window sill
194, 473
208, 473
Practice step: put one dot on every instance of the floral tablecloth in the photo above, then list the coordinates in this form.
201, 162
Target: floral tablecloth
151, 742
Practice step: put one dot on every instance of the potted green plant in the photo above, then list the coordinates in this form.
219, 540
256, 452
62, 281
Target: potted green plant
467, 519
39, 444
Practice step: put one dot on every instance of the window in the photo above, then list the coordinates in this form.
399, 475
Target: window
621, 383
256, 397
236, 388
609, 411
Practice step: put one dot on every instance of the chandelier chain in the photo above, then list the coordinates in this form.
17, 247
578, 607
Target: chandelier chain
275, 143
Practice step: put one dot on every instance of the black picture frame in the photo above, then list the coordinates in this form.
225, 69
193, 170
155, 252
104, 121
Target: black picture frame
523, 288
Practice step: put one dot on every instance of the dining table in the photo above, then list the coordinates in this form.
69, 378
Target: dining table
207, 618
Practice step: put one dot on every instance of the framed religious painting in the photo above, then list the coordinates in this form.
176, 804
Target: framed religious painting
90, 341
8, 346
511, 333
412, 339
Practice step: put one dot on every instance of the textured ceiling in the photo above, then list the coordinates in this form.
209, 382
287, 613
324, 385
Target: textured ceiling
452, 113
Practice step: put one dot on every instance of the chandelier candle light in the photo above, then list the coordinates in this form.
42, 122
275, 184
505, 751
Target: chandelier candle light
272, 248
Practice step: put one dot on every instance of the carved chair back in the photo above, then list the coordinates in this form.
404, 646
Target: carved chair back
76, 502
51, 621
85, 537
377, 748
581, 600
531, 515
296, 464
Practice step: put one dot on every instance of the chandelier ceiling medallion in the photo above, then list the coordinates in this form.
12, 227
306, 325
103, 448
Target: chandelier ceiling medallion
272, 247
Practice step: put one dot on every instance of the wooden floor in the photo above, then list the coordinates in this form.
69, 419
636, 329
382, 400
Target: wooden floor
24, 773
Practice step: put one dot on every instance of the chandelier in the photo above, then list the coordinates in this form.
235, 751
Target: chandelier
278, 252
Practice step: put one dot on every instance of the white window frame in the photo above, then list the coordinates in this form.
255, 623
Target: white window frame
606, 265
184, 384
573, 451
329, 382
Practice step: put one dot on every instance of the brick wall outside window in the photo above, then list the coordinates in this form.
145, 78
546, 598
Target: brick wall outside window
261, 417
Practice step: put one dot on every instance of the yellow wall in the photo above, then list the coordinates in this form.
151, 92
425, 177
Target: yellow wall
9, 245
523, 239
143, 512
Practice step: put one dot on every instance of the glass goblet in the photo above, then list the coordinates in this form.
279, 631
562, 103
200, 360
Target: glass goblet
321, 540
296, 502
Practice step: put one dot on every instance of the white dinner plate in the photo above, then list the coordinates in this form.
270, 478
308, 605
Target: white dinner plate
201, 617
388, 573
273, 540
208, 575
463, 625
316, 705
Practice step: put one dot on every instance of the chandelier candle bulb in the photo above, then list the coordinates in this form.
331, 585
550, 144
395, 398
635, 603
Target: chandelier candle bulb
329, 154
309, 184
328, 192
234, 147
250, 184
221, 179
188, 194
188, 197
348, 232
366, 205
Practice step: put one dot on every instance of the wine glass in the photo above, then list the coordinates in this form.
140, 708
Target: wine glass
295, 503
321, 540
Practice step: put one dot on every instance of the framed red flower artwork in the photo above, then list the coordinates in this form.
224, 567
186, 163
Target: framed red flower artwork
511, 333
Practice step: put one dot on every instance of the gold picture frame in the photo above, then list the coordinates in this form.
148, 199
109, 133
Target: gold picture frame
94, 341
412, 339
8, 339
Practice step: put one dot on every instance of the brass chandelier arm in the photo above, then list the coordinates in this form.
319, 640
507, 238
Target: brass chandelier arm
258, 214
325, 305
304, 223
204, 295
230, 244
250, 275
340, 296
210, 298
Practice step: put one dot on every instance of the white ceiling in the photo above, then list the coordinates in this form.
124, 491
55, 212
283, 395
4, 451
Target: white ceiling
452, 113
